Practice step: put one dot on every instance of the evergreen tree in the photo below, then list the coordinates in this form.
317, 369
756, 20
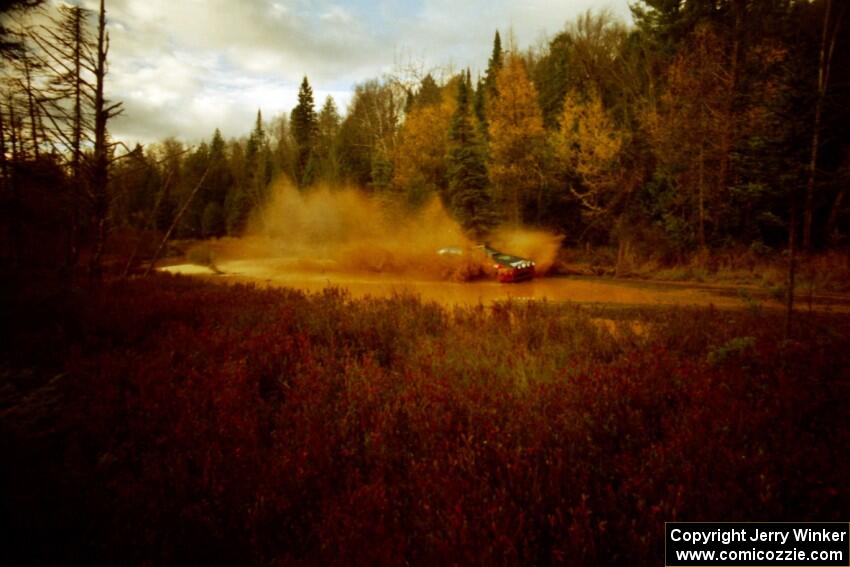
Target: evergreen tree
213, 222
304, 130
284, 151
552, 78
194, 167
219, 178
494, 66
258, 166
237, 204
429, 92
135, 185
490, 90
168, 154
327, 162
480, 105
467, 170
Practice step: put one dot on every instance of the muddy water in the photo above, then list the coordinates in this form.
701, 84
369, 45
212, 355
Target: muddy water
277, 272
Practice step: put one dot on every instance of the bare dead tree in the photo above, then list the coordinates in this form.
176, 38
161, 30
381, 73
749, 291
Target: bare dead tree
76, 113
22, 78
28, 67
151, 221
12, 182
176, 221
4, 164
792, 266
103, 112
827, 48
844, 182
66, 51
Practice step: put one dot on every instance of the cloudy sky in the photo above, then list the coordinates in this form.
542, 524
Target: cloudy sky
185, 67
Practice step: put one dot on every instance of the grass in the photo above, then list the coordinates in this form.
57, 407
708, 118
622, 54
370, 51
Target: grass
170, 421
827, 272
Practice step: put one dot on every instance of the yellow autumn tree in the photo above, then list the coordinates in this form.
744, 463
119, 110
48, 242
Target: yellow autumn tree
588, 148
420, 157
517, 140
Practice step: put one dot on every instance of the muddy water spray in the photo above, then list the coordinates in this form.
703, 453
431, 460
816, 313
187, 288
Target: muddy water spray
345, 230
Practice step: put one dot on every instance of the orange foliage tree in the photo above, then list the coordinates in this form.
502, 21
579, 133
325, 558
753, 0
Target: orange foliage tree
518, 142
588, 147
419, 159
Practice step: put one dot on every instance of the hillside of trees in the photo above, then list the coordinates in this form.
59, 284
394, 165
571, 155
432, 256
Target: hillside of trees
708, 124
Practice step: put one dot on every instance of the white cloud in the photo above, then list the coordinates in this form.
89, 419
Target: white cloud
337, 15
185, 67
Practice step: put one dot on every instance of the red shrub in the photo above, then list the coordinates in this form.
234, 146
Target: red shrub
231, 425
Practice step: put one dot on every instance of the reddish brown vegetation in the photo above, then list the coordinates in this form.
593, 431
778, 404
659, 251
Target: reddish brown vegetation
167, 421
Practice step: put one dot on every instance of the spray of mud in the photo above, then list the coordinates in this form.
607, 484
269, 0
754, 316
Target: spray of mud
539, 245
344, 230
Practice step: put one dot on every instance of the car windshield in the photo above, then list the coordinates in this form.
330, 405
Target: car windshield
506, 259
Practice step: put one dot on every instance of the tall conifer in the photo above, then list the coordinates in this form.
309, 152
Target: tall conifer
487, 89
304, 130
467, 170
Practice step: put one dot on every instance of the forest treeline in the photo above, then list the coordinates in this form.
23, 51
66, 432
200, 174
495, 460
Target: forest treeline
705, 124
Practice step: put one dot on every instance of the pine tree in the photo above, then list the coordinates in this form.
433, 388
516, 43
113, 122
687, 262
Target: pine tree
429, 92
467, 171
212, 222
284, 154
258, 165
480, 105
173, 172
552, 78
195, 166
494, 67
327, 162
304, 130
488, 90
236, 204
219, 178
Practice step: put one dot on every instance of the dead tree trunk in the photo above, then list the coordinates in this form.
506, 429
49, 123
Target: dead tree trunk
176, 221
827, 47
4, 164
14, 191
100, 159
792, 266
835, 211
78, 40
832, 222
149, 224
32, 105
